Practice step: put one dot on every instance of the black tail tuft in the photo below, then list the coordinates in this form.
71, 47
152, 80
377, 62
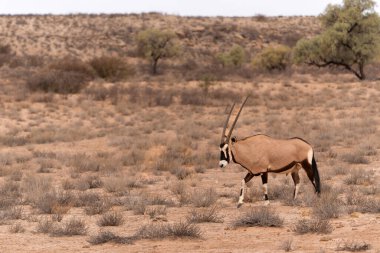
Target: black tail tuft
316, 176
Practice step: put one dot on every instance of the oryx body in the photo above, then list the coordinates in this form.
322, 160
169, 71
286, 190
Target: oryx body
261, 154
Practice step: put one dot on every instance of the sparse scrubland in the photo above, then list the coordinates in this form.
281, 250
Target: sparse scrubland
98, 154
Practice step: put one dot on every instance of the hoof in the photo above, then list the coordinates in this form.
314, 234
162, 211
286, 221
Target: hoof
266, 202
239, 205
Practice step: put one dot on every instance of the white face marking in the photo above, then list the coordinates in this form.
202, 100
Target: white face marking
310, 156
223, 163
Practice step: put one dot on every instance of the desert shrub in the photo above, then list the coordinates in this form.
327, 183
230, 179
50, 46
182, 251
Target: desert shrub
358, 177
233, 58
87, 198
181, 172
111, 68
34, 187
328, 205
98, 207
5, 54
155, 211
115, 184
16, 228
162, 231
193, 97
93, 181
353, 246
259, 217
204, 215
358, 203
355, 157
11, 213
319, 226
261, 17
57, 81
71, 227
287, 245
44, 226
272, 58
204, 197
53, 202
180, 189
206, 82
73, 64
5, 49
107, 236
111, 219
13, 141
156, 199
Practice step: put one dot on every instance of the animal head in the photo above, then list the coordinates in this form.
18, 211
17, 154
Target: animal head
225, 140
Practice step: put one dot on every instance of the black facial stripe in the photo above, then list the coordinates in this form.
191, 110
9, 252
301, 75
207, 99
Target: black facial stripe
226, 156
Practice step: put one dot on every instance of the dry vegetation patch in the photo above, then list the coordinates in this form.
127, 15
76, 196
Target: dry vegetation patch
259, 217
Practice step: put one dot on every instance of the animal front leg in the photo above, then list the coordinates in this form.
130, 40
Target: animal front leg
247, 178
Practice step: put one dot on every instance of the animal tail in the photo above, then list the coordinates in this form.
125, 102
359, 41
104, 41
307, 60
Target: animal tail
317, 181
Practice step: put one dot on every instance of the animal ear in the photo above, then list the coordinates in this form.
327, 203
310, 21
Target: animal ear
233, 139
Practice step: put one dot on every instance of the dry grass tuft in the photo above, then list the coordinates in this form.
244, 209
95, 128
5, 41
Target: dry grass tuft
328, 205
358, 177
355, 157
204, 197
259, 217
111, 219
205, 215
315, 225
107, 236
287, 245
16, 228
353, 246
162, 231
156, 211
71, 227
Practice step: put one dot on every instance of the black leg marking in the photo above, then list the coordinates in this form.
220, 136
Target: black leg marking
264, 179
248, 177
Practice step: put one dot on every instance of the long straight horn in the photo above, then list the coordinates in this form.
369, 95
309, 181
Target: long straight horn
225, 124
237, 116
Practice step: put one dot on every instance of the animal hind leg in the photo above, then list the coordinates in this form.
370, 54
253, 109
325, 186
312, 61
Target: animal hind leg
296, 180
264, 179
309, 171
247, 178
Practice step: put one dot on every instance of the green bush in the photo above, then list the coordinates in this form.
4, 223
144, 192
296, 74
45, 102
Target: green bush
233, 58
272, 58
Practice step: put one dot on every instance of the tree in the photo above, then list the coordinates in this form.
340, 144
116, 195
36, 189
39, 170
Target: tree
350, 40
154, 45
235, 57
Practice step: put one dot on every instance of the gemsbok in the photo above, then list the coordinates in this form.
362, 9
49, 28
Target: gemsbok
261, 154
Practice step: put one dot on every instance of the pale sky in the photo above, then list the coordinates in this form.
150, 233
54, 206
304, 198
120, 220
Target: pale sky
177, 7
